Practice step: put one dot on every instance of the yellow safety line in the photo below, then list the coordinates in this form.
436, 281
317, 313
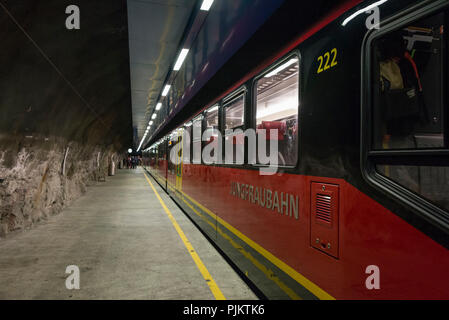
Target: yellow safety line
268, 272
205, 273
306, 283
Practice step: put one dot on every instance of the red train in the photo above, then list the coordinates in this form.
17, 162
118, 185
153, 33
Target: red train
359, 207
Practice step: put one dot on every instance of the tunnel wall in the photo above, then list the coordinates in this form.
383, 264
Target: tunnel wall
40, 176
59, 89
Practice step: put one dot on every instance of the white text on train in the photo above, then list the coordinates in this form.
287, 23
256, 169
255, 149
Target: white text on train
267, 198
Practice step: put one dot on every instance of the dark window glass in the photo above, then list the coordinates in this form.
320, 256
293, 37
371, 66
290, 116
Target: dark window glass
430, 182
409, 108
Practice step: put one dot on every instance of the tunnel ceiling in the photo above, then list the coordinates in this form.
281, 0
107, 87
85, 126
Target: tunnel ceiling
69, 83
156, 28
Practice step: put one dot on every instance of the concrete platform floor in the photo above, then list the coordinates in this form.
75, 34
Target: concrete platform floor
124, 245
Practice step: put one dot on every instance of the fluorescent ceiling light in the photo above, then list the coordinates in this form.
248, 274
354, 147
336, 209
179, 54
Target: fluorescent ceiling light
153, 116
372, 6
159, 106
166, 90
189, 124
206, 5
182, 56
278, 107
282, 67
151, 122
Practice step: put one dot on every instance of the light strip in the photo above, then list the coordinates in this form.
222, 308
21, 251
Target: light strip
213, 109
182, 56
206, 5
376, 4
166, 90
282, 67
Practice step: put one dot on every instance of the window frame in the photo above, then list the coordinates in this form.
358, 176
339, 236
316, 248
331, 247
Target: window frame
369, 157
218, 115
229, 99
205, 127
185, 126
225, 102
200, 118
253, 124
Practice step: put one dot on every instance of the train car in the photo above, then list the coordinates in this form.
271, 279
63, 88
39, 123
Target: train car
359, 205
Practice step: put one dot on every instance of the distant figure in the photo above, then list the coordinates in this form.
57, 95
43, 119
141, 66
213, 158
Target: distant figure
129, 163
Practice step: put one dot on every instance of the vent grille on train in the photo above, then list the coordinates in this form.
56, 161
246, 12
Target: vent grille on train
323, 208
324, 226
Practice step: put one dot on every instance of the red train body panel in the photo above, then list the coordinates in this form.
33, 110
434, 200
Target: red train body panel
369, 235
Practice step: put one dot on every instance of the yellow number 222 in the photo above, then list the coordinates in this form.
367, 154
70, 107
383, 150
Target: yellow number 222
325, 59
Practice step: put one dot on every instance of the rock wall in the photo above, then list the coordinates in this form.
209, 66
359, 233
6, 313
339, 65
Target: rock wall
39, 176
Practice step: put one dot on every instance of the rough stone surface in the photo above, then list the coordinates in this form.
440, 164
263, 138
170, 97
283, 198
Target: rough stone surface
59, 89
36, 184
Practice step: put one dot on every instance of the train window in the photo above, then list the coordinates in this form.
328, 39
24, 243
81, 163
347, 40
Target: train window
234, 119
277, 104
186, 142
197, 134
409, 112
408, 81
235, 113
161, 153
211, 118
430, 182
172, 143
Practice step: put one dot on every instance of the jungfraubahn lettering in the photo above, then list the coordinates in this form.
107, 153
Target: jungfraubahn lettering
267, 198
